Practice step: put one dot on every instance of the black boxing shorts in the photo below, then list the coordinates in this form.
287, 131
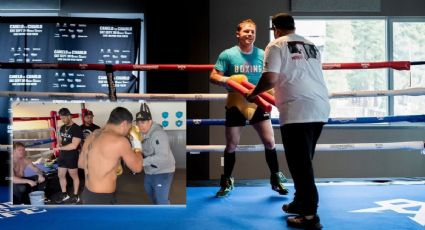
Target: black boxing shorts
68, 160
90, 197
235, 118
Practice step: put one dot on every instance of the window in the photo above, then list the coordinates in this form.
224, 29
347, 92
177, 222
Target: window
366, 40
409, 45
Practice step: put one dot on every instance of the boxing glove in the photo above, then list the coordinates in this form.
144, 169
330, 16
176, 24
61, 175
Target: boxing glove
236, 77
239, 78
235, 99
135, 139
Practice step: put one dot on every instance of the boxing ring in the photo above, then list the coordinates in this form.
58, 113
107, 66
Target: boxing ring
388, 204
253, 207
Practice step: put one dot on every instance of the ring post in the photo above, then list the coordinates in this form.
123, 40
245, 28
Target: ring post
111, 82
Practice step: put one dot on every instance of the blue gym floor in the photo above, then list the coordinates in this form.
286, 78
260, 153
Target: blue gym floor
401, 207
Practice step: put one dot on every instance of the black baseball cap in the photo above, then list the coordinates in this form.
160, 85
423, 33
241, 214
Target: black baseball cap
64, 112
88, 113
144, 114
283, 21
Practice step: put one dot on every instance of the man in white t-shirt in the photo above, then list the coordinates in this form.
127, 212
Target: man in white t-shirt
293, 67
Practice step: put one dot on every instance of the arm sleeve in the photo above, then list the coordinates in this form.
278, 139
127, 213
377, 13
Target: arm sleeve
222, 62
161, 148
272, 59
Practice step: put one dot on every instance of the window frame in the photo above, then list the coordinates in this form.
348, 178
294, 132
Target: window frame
390, 27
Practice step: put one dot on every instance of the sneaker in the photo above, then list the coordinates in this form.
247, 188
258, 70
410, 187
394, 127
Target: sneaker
74, 199
292, 208
227, 186
304, 223
276, 181
63, 197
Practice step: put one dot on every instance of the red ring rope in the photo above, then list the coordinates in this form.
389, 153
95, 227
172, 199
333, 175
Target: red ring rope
398, 65
41, 118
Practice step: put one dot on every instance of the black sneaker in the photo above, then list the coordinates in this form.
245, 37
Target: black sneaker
227, 186
304, 223
63, 198
75, 199
276, 181
291, 208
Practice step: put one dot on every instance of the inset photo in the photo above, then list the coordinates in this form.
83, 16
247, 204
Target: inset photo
99, 153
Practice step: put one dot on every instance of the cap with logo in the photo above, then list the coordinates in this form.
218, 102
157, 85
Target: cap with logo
144, 113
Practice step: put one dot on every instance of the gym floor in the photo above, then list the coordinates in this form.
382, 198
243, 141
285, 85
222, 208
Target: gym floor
130, 189
378, 205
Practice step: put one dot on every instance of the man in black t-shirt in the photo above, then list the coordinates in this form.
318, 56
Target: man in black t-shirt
70, 136
88, 127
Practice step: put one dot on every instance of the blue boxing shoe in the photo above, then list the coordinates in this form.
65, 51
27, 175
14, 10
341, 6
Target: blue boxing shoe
276, 181
227, 185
